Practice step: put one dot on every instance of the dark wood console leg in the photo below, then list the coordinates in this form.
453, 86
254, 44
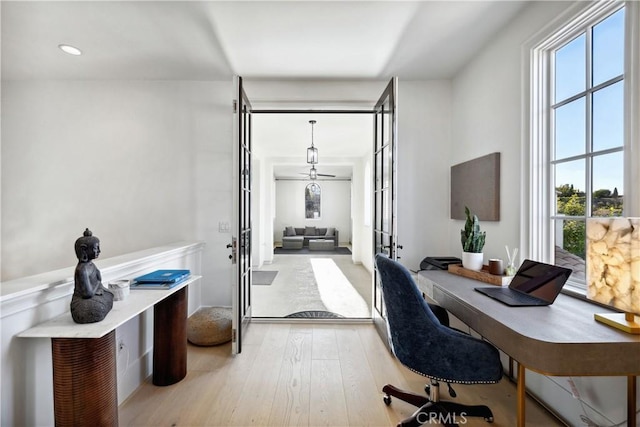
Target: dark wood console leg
170, 339
85, 391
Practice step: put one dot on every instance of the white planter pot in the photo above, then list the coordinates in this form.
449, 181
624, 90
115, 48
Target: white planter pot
472, 260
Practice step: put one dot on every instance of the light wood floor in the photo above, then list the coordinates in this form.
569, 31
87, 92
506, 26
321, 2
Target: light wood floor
302, 375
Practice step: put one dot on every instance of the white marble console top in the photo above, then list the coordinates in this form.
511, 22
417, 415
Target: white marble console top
135, 303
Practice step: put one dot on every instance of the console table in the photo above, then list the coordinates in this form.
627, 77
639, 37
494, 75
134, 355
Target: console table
84, 355
562, 339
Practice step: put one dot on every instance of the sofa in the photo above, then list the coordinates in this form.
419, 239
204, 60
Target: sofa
298, 237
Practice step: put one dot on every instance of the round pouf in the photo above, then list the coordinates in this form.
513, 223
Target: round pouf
209, 326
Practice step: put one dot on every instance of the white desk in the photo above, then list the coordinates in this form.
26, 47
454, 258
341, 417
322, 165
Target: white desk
84, 355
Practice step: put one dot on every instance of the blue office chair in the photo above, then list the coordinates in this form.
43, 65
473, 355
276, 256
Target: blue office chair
424, 344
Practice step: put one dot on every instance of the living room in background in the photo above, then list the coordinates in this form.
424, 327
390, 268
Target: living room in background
312, 244
580, 96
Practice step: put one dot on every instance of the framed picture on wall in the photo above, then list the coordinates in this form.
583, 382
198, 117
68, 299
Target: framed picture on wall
476, 184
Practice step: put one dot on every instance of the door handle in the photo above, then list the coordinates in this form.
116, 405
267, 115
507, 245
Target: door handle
233, 245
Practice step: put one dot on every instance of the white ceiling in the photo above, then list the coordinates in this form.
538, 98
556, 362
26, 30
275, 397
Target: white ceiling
339, 138
213, 40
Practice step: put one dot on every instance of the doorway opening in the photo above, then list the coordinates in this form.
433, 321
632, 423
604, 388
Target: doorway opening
316, 274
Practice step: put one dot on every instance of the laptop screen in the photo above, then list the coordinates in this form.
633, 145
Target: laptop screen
540, 280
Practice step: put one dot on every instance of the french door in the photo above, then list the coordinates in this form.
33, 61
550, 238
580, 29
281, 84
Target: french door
241, 240
384, 186
384, 204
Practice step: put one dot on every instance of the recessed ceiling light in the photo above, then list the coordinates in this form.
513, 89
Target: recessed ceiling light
70, 49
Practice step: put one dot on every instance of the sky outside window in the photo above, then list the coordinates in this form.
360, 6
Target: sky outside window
570, 68
608, 48
570, 129
606, 121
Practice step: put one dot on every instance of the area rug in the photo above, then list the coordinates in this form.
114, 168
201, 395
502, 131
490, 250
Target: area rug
305, 251
314, 314
263, 277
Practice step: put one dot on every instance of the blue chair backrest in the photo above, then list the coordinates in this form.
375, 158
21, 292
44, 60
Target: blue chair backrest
421, 343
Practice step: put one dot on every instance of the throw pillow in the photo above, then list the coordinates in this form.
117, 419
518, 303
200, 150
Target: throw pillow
310, 231
290, 231
330, 231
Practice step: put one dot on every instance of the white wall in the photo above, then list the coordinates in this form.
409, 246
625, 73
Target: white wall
424, 141
487, 116
263, 210
335, 207
291, 94
141, 163
361, 208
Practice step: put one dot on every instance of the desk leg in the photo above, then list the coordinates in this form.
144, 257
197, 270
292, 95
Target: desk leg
170, 339
522, 395
631, 401
85, 391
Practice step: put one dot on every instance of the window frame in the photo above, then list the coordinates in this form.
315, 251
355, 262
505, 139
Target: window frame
538, 189
307, 190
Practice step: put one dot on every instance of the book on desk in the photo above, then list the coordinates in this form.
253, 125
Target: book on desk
160, 279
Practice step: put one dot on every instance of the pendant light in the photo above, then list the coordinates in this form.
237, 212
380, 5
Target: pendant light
312, 152
313, 173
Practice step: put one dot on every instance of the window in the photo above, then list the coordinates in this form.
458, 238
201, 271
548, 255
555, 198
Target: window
578, 132
312, 201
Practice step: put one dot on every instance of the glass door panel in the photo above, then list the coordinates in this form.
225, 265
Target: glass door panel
241, 301
384, 182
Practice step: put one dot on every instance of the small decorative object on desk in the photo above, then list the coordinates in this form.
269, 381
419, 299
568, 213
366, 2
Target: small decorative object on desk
120, 289
91, 301
472, 242
511, 269
495, 267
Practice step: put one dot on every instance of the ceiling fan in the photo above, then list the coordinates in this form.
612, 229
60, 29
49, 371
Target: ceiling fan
313, 173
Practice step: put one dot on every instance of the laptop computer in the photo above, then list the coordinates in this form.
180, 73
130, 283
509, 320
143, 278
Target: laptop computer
534, 284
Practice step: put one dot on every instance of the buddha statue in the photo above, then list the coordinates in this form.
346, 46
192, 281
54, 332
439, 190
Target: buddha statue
91, 301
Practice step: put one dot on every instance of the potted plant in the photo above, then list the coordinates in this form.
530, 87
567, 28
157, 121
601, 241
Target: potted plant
472, 242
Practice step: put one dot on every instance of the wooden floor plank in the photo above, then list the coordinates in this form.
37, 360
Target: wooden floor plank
311, 374
328, 405
325, 345
257, 396
222, 403
291, 404
362, 396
